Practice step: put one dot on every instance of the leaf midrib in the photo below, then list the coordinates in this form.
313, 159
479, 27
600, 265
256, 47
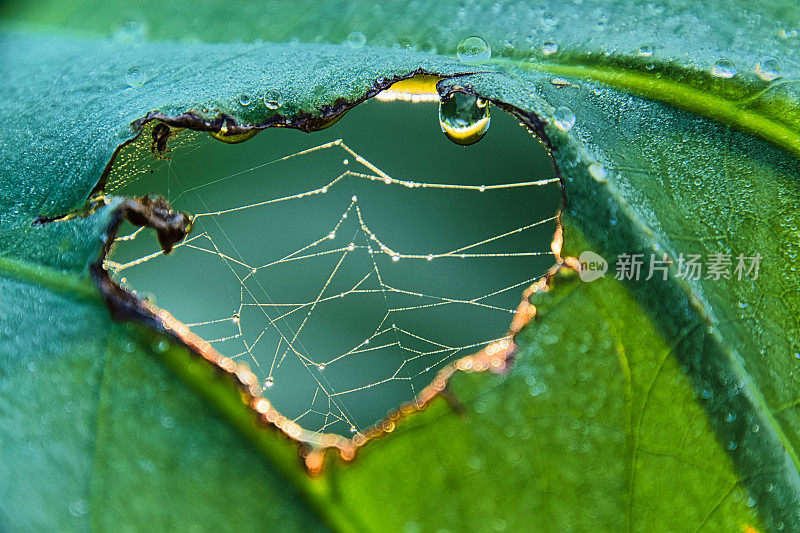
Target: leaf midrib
53, 279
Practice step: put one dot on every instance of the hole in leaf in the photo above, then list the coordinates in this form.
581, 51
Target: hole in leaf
345, 267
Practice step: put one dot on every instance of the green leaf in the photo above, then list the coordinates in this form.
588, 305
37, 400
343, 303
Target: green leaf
660, 403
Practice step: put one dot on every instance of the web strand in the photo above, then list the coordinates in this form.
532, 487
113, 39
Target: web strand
328, 401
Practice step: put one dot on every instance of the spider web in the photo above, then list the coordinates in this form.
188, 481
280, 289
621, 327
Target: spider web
335, 335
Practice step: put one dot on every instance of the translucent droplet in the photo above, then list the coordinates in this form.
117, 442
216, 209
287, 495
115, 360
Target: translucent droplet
353, 429
356, 39
563, 118
273, 99
549, 48
597, 172
134, 77
161, 346
232, 138
768, 68
79, 508
549, 20
245, 100
646, 50
321, 367
132, 31
464, 118
235, 319
724, 68
345, 162
269, 382
473, 50
405, 42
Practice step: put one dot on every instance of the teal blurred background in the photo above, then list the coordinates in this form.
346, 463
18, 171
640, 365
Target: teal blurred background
327, 374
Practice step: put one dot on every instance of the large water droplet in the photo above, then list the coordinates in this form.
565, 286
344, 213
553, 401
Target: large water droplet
549, 48
768, 68
563, 118
132, 31
244, 99
134, 77
474, 50
232, 138
646, 50
356, 39
549, 20
273, 99
464, 118
724, 68
597, 172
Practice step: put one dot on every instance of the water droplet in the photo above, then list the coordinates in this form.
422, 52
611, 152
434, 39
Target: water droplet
646, 50
395, 258
650, 66
473, 50
345, 161
235, 319
232, 138
321, 367
351, 247
549, 48
724, 68
353, 429
549, 20
768, 68
597, 172
269, 382
732, 445
273, 99
79, 508
563, 118
134, 77
161, 346
730, 417
356, 39
464, 118
429, 257
245, 100
131, 31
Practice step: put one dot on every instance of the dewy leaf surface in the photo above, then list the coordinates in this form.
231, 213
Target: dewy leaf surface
631, 405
